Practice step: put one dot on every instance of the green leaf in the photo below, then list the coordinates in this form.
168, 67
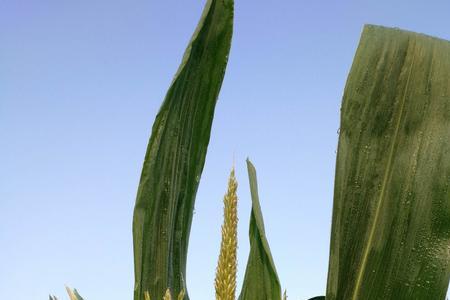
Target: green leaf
390, 234
175, 157
318, 298
261, 279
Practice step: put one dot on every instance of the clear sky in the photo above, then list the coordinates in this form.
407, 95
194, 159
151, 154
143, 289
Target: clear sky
80, 84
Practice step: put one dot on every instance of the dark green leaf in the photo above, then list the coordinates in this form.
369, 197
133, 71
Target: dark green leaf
175, 157
261, 279
391, 216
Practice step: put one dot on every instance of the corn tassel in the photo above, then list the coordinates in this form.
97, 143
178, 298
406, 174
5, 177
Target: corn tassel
225, 282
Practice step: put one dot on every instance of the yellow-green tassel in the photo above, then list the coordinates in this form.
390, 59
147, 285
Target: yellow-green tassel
225, 282
167, 296
181, 294
147, 295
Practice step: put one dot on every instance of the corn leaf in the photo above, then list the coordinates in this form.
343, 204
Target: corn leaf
78, 297
261, 279
73, 294
391, 217
175, 157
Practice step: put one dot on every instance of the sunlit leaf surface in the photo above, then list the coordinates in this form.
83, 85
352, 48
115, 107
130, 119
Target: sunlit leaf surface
391, 216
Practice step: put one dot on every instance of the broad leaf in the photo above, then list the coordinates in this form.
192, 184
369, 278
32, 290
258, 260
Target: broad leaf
176, 155
261, 279
390, 234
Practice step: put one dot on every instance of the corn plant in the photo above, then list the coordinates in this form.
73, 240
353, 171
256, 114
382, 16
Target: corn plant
391, 228
390, 236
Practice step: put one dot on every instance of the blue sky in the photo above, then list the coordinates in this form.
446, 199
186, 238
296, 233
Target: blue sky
80, 85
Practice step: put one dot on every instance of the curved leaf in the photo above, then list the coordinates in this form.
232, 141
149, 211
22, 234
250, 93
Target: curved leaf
391, 217
261, 279
175, 157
